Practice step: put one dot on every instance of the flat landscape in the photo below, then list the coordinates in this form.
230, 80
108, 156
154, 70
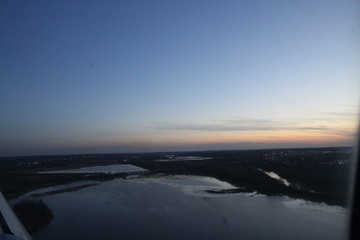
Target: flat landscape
318, 174
224, 188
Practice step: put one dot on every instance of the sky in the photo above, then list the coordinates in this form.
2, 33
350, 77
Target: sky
86, 76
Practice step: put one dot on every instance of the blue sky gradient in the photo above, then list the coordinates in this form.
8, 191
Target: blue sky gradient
123, 76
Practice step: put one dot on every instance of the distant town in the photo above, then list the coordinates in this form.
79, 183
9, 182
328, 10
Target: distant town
316, 156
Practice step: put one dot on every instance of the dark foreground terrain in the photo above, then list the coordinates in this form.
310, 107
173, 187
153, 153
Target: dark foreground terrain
318, 174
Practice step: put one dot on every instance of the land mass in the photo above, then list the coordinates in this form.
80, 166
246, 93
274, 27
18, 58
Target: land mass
317, 174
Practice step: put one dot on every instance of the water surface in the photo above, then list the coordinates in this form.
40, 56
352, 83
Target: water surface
177, 207
115, 168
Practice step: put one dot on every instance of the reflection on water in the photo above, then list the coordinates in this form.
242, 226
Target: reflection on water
115, 168
275, 176
178, 207
170, 158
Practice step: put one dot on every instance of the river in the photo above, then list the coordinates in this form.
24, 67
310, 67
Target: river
177, 207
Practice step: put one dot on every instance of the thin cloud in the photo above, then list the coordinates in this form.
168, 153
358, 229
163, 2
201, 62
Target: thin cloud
351, 114
223, 127
319, 128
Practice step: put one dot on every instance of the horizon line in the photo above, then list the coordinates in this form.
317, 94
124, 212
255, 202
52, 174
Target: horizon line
180, 151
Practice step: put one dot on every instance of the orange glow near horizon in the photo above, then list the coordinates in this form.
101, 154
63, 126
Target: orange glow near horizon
285, 136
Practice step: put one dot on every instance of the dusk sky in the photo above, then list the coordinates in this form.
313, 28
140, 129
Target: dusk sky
135, 76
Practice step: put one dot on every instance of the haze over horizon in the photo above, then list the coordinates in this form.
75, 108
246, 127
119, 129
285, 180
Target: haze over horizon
136, 76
